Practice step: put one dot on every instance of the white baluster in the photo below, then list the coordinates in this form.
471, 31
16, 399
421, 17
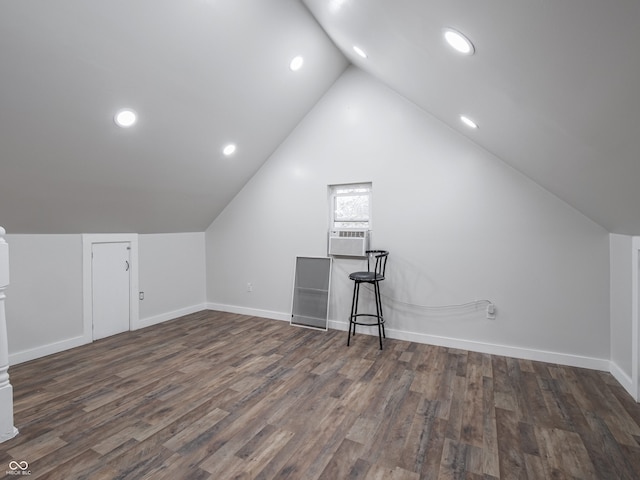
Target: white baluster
7, 430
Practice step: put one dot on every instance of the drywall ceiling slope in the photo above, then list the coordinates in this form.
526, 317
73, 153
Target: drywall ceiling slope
552, 85
199, 74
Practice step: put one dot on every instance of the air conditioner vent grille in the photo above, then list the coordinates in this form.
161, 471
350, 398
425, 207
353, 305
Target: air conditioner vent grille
351, 233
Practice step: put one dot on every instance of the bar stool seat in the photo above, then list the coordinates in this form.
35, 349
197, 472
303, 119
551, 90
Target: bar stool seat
373, 276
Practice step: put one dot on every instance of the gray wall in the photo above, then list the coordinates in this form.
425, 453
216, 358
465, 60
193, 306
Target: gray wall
44, 299
621, 252
172, 275
461, 225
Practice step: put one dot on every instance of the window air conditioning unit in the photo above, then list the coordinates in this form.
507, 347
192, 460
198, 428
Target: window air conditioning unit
348, 243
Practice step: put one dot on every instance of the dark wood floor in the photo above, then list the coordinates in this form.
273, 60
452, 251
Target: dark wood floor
222, 396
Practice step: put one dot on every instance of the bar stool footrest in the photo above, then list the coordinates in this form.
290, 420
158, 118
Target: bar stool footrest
371, 324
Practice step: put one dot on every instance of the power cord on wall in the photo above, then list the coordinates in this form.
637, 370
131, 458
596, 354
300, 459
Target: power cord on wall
490, 306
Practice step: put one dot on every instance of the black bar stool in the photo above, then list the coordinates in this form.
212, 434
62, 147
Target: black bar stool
372, 276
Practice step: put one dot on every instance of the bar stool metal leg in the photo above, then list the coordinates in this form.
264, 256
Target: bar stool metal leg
376, 289
380, 314
354, 309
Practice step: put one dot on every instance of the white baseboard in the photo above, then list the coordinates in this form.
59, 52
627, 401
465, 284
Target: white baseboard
163, 317
253, 312
44, 350
490, 348
624, 379
51, 348
493, 349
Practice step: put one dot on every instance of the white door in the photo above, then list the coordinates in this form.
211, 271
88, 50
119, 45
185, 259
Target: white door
110, 279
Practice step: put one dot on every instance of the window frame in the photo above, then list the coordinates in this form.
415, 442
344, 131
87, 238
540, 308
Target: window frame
334, 193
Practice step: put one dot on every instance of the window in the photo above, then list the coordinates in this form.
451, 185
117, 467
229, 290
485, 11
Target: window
350, 206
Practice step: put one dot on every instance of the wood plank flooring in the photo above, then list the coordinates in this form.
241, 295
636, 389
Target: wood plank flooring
220, 396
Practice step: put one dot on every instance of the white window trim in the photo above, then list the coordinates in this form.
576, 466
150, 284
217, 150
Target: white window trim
332, 196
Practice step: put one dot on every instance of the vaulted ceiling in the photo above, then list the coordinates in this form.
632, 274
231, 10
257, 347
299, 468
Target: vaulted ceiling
553, 87
199, 73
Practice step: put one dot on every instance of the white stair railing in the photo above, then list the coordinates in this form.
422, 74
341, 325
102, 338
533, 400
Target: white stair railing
7, 430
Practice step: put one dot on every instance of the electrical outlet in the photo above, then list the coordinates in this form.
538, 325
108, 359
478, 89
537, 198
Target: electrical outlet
249, 287
491, 311
141, 295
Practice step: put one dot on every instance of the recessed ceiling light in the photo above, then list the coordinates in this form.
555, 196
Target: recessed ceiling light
336, 5
125, 118
296, 63
458, 41
229, 149
468, 122
359, 51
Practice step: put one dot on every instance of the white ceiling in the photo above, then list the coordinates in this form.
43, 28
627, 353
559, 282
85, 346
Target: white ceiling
553, 85
200, 74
